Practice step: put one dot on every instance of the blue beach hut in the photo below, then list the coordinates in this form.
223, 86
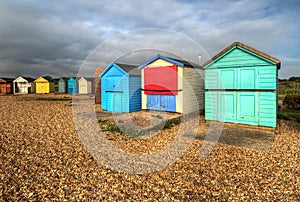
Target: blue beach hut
121, 88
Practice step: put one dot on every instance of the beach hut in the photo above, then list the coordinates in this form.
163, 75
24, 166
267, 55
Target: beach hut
55, 88
172, 85
90, 85
44, 85
121, 88
82, 86
6, 86
241, 86
23, 85
97, 84
62, 85
72, 86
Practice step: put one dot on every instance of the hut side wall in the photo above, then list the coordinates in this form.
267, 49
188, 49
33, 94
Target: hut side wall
193, 90
97, 84
135, 103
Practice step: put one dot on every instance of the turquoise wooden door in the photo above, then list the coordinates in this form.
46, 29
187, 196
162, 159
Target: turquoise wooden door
114, 101
113, 94
117, 101
227, 106
227, 78
247, 78
247, 108
109, 99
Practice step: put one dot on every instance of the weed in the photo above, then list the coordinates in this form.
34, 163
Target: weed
157, 116
288, 114
172, 122
113, 128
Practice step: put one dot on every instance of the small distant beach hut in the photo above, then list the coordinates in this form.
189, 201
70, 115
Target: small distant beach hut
72, 86
121, 88
6, 86
62, 85
241, 86
23, 85
44, 85
172, 85
83, 86
97, 84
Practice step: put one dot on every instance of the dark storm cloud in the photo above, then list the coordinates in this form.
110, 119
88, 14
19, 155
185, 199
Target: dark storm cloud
55, 37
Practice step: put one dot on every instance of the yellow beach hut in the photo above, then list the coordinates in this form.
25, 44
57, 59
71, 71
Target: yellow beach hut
44, 84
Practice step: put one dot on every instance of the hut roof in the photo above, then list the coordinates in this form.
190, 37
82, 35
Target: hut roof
6, 80
98, 71
127, 68
130, 69
253, 50
179, 62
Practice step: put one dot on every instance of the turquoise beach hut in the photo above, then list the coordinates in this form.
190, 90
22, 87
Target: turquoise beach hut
241, 86
72, 86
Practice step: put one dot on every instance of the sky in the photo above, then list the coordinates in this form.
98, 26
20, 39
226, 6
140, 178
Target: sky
59, 38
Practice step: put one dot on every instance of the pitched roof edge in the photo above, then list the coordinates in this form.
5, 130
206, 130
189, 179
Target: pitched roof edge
236, 44
174, 61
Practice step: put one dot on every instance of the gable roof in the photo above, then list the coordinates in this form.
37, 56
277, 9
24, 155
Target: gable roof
62, 80
41, 79
5, 80
82, 79
178, 62
244, 46
98, 71
126, 68
2, 80
130, 69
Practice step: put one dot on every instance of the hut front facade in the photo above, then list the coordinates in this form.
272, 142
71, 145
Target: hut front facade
23, 85
6, 86
62, 85
172, 85
82, 86
121, 88
72, 86
44, 85
241, 86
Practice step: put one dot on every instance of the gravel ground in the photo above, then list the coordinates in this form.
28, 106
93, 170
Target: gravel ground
42, 158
